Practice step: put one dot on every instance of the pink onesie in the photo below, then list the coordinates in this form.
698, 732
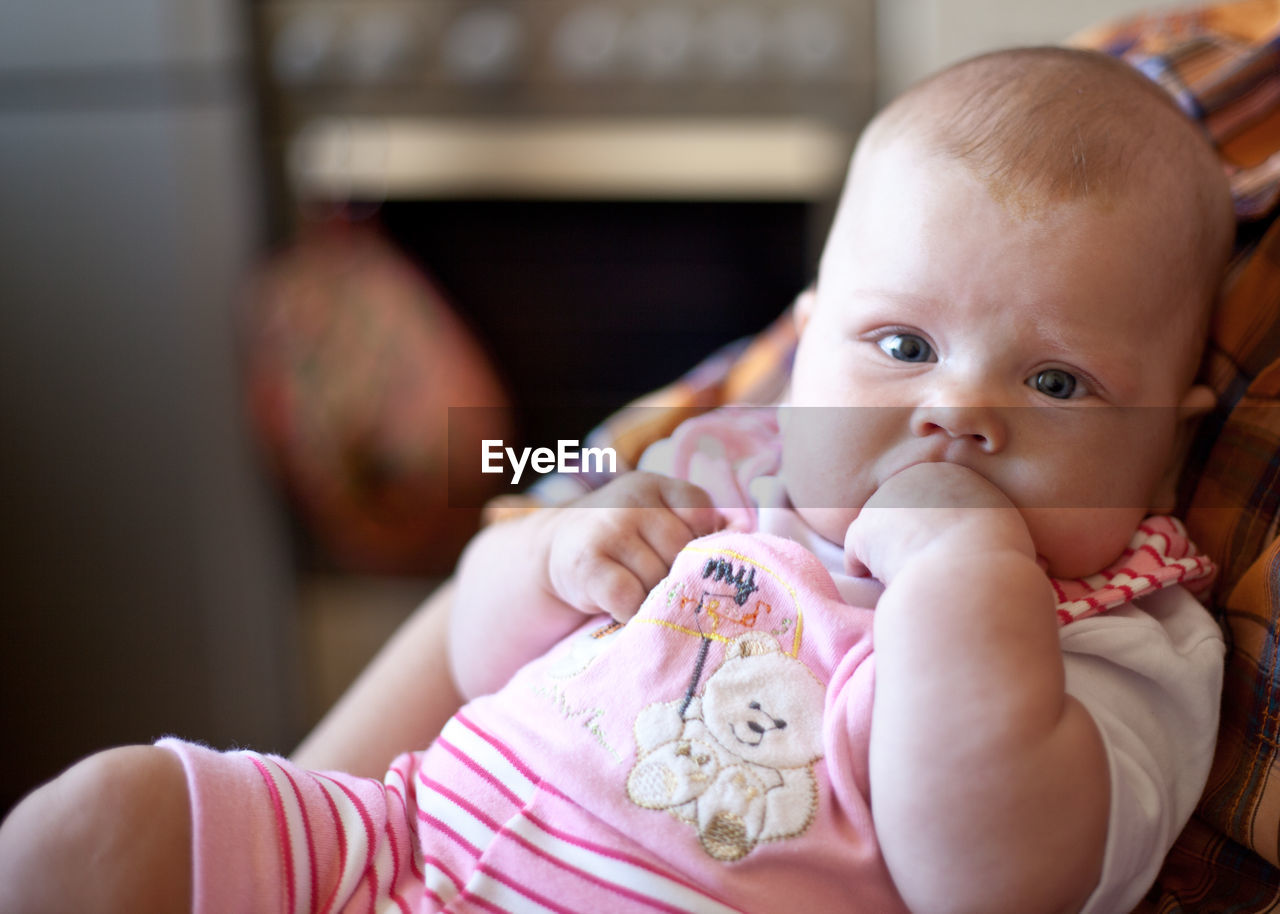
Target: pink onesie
710, 755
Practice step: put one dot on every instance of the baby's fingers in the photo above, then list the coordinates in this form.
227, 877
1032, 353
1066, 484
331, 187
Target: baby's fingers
856, 562
666, 534
692, 504
616, 591
611, 576
636, 552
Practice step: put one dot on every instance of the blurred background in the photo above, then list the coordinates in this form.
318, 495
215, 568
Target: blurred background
250, 252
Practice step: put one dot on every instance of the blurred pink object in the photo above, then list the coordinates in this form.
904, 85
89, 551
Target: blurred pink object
354, 358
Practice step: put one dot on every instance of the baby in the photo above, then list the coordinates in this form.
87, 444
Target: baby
994, 379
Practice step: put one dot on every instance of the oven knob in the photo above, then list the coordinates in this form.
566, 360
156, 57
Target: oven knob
660, 41
483, 45
587, 41
379, 47
303, 48
811, 41
734, 39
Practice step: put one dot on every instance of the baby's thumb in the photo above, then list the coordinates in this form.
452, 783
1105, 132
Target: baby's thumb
853, 554
693, 505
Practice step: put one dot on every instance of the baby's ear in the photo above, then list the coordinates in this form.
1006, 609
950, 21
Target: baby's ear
1198, 401
801, 311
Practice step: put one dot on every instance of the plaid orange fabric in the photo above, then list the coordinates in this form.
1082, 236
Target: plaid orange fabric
1222, 65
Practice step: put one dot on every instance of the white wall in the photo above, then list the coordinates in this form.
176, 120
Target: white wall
916, 37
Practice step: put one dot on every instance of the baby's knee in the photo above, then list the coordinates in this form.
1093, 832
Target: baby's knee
112, 833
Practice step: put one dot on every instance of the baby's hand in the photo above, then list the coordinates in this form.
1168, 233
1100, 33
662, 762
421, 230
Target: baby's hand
928, 505
610, 549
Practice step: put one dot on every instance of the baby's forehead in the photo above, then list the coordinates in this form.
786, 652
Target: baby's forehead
1031, 181
1174, 220
1043, 125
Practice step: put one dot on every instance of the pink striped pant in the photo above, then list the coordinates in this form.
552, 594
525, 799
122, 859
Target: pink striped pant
463, 827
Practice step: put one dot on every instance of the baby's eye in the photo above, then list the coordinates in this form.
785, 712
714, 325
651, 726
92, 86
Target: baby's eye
906, 347
1054, 382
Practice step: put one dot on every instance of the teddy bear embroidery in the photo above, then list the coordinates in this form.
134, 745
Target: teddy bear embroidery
735, 760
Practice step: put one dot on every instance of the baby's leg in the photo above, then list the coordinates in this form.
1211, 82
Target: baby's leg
112, 833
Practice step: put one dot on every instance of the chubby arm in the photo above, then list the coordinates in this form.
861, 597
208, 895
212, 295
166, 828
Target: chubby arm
525, 584
989, 783
399, 702
507, 612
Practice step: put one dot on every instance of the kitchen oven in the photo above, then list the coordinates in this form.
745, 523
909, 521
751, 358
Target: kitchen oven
606, 189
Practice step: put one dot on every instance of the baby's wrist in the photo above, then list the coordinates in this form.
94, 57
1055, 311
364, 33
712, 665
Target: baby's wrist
970, 588
969, 544
544, 527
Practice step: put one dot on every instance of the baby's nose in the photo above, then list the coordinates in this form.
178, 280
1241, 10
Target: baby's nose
983, 426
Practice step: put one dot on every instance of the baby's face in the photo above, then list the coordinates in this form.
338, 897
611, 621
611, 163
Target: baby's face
1030, 347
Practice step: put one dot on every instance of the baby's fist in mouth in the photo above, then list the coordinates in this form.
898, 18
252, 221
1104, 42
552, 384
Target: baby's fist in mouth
927, 506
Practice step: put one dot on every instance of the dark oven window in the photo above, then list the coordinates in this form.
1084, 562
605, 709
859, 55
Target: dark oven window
585, 305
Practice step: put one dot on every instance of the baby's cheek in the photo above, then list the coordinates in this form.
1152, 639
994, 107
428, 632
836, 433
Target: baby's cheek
824, 493
1077, 542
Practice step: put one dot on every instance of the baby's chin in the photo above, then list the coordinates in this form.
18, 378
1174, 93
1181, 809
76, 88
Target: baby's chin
830, 523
